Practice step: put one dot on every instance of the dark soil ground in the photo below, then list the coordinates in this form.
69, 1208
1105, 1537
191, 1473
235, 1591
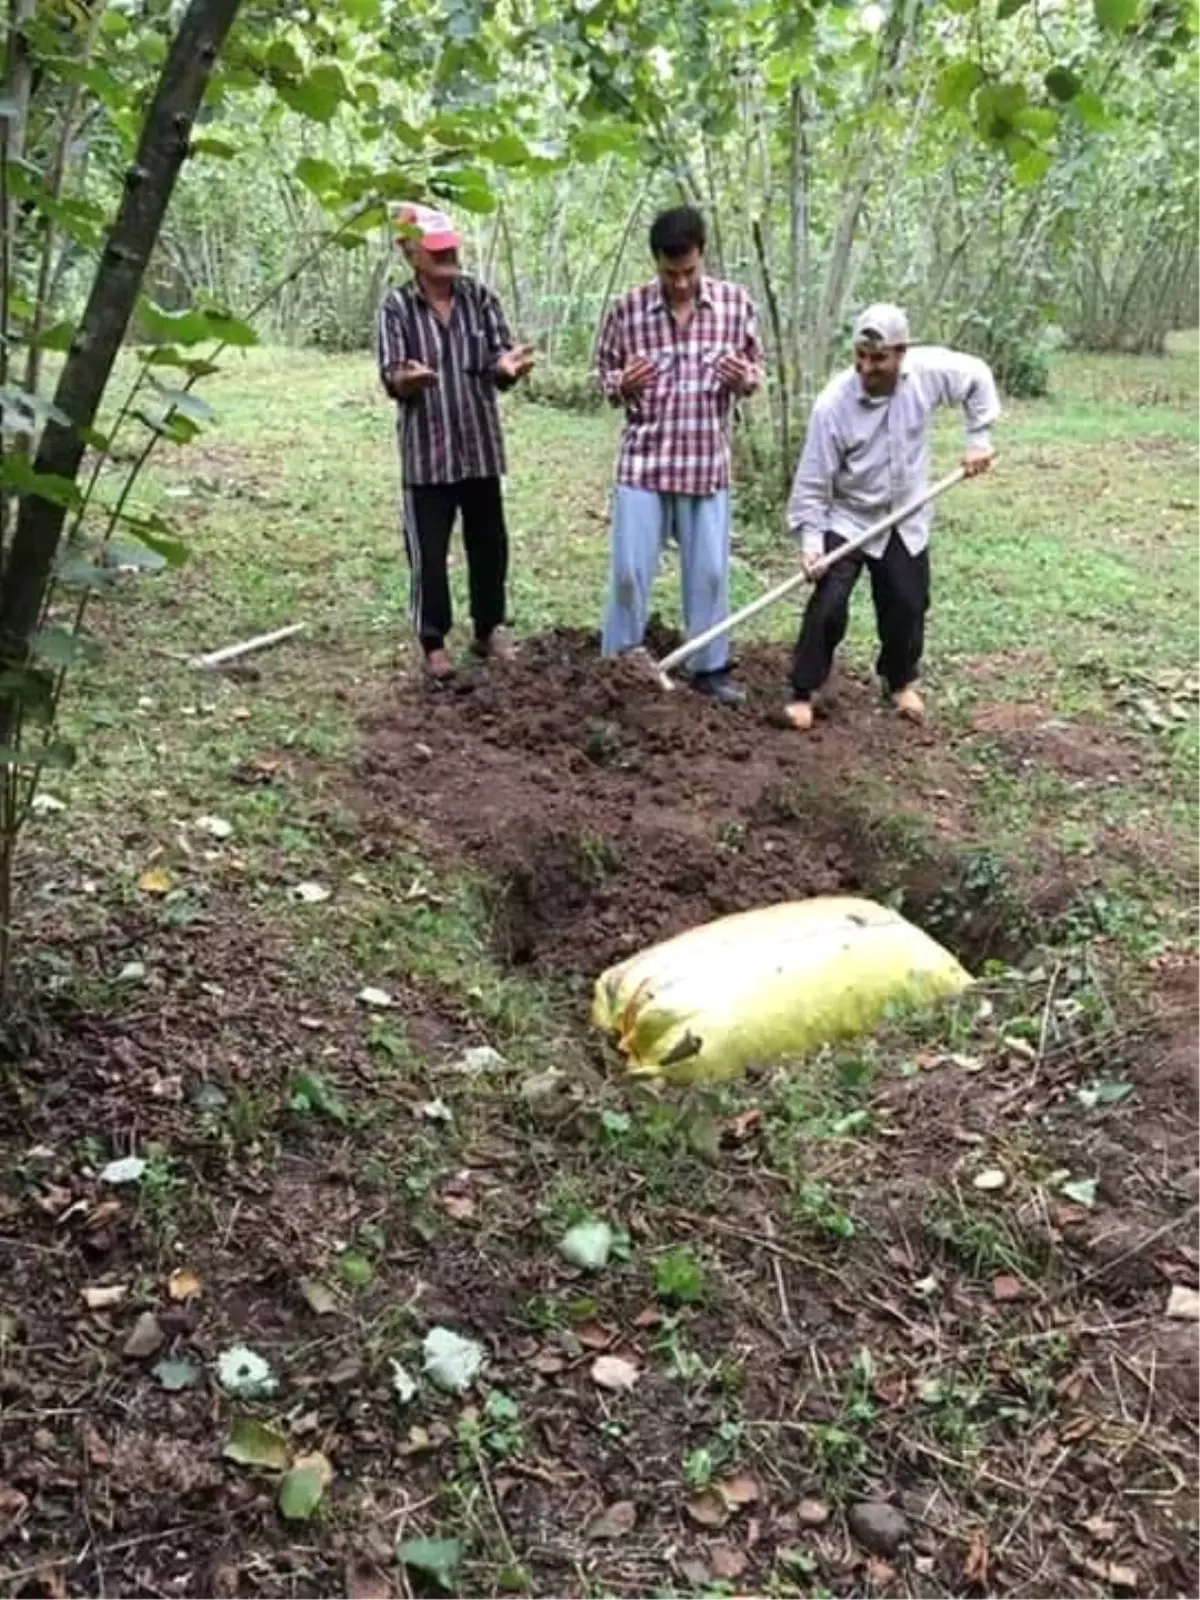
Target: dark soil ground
874, 1326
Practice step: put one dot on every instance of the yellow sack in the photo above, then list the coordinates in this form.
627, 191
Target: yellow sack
766, 985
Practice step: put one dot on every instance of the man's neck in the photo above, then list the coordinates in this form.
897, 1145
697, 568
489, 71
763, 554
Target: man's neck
439, 295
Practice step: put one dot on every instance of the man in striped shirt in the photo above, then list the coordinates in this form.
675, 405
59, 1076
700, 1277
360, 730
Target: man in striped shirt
444, 353
676, 353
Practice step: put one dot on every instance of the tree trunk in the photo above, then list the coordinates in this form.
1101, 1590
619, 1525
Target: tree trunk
149, 183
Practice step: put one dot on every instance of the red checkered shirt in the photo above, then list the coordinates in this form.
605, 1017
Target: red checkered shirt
676, 435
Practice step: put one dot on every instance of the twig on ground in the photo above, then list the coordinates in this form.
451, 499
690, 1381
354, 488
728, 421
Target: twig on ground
1027, 1509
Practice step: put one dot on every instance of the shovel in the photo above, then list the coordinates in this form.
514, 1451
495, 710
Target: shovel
663, 668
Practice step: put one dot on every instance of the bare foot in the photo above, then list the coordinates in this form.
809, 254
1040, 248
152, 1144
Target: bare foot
909, 703
800, 714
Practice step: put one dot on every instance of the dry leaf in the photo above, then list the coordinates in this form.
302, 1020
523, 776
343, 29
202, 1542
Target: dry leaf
727, 1562
812, 1513
594, 1337
548, 1362
458, 1207
879, 1574
614, 1372
743, 1124
105, 1295
94, 1447
649, 1318
1184, 1304
740, 1490
367, 1583
155, 881
1114, 1574
1006, 1288
183, 1284
708, 1509
616, 1520
696, 1572
1101, 1530
975, 1569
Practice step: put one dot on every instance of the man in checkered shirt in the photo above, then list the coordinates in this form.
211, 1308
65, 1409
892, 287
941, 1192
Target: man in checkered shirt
676, 353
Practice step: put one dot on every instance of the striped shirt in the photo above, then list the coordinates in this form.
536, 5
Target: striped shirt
451, 430
677, 431
863, 456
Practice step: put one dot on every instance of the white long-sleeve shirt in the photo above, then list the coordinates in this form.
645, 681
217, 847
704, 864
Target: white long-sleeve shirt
864, 456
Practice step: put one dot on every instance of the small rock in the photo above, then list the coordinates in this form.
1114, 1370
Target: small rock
145, 1338
878, 1527
812, 1513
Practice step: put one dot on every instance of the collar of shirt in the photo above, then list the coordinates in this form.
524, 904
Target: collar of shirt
704, 297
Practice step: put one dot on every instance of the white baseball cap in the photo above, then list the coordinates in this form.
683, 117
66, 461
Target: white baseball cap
434, 228
881, 324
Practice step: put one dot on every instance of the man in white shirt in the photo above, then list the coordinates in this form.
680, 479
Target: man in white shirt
867, 451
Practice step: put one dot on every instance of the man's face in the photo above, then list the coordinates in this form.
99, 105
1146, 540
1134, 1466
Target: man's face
680, 276
435, 266
878, 367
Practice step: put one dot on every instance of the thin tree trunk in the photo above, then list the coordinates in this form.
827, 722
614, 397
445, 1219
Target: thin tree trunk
149, 183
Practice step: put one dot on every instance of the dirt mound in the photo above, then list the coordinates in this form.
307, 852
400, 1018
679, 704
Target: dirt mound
605, 812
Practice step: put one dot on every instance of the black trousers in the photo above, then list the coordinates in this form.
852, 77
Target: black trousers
900, 590
429, 513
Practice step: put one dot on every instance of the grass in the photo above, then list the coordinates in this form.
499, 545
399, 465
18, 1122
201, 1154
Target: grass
804, 1271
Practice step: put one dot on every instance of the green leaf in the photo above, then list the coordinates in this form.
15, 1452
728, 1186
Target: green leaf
355, 1268
205, 145
958, 83
304, 1485
466, 187
21, 411
1040, 121
1032, 168
62, 648
182, 400
1114, 16
231, 330
282, 58
158, 536
1062, 83
320, 177
318, 95
1105, 1092
437, 1559
679, 1276
18, 477
1009, 8
255, 1444
58, 337
173, 327
1089, 108
509, 150
167, 356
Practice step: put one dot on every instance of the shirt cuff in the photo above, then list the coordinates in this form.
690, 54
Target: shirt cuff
979, 439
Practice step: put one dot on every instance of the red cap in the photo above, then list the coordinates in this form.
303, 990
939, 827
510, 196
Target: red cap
436, 230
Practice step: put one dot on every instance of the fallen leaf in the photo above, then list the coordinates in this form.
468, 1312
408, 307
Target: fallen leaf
1113, 1574
102, 1296
743, 1124
451, 1361
355, 1268
183, 1284
255, 1444
651, 1317
436, 1111
175, 1375
367, 1583
215, 827
614, 1521
404, 1385
709, 1509
726, 1562
480, 1059
594, 1336
242, 1373
697, 1572
435, 1558
879, 1574
458, 1207
740, 1490
378, 999
1101, 1529
548, 1362
614, 1372
975, 1568
155, 881
1006, 1288
1183, 1304
1081, 1190
587, 1245
94, 1447
13, 1504
318, 1297
304, 1485
990, 1179
812, 1513
127, 1170
145, 1337
310, 894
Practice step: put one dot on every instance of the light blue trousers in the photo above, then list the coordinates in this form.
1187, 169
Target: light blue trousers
643, 521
